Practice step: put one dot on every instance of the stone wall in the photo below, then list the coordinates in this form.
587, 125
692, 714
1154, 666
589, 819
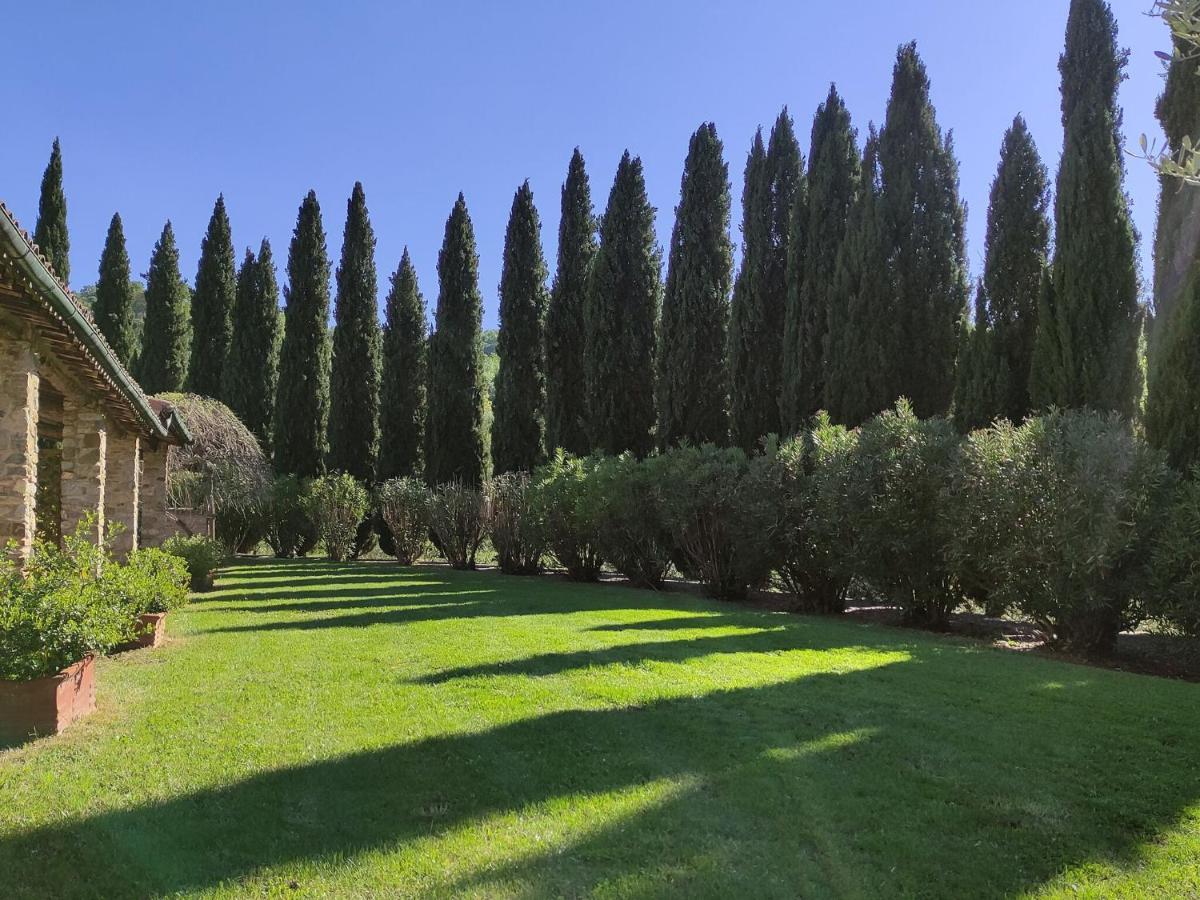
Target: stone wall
156, 527
84, 466
18, 445
122, 491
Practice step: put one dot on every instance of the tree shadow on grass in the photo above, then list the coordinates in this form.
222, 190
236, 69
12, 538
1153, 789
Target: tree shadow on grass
915, 777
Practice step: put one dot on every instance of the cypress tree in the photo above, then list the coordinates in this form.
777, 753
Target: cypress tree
354, 382
773, 181
1173, 396
302, 400
113, 310
252, 369
622, 315
860, 314
50, 232
519, 425
403, 388
982, 378
1095, 315
454, 434
693, 388
923, 224
818, 232
566, 411
212, 305
163, 361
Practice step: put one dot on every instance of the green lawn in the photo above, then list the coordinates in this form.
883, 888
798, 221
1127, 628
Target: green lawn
364, 730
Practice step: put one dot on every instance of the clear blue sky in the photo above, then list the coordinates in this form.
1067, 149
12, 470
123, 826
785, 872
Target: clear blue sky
161, 106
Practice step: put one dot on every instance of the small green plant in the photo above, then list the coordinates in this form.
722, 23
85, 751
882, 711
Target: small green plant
151, 581
517, 531
338, 504
404, 505
200, 554
556, 497
458, 517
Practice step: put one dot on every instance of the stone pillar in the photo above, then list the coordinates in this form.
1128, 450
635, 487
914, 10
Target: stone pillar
155, 525
84, 466
18, 445
121, 489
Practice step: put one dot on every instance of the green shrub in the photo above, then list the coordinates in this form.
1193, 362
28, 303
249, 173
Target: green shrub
557, 493
623, 498
720, 510
404, 505
899, 475
516, 529
152, 580
458, 517
815, 539
1175, 597
338, 504
1089, 503
289, 526
202, 556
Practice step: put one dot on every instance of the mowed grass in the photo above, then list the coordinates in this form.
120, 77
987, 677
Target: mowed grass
365, 730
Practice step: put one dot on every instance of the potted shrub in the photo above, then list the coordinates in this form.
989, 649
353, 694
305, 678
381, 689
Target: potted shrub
153, 582
202, 556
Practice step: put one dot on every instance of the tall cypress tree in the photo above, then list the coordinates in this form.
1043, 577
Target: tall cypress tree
212, 305
982, 378
519, 426
860, 309
354, 382
1173, 396
403, 388
454, 433
818, 232
1095, 315
693, 386
302, 400
923, 225
114, 294
252, 369
622, 317
50, 232
566, 411
163, 362
773, 181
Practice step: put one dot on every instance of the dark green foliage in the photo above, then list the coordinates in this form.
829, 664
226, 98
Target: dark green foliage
856, 380
819, 230
693, 386
302, 399
454, 433
983, 377
774, 179
922, 223
212, 306
354, 381
515, 524
1172, 402
1175, 596
402, 392
163, 362
623, 501
1094, 316
337, 505
403, 504
291, 530
252, 368
621, 316
50, 232
519, 417
566, 385
113, 309
560, 492
458, 519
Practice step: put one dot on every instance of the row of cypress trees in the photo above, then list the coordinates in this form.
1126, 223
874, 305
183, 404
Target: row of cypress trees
852, 291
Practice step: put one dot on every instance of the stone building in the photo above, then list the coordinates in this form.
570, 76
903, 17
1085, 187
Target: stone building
77, 434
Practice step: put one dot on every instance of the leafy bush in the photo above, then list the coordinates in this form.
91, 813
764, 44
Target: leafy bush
899, 475
457, 515
557, 493
201, 555
623, 498
290, 529
404, 505
1089, 502
815, 539
338, 504
517, 531
1175, 598
151, 581
721, 513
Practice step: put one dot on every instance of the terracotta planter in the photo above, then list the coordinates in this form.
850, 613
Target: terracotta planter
154, 631
47, 705
204, 582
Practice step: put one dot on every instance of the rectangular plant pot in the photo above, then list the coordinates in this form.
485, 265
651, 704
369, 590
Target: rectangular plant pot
47, 705
154, 631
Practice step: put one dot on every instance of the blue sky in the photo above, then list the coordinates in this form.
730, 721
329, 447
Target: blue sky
161, 106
